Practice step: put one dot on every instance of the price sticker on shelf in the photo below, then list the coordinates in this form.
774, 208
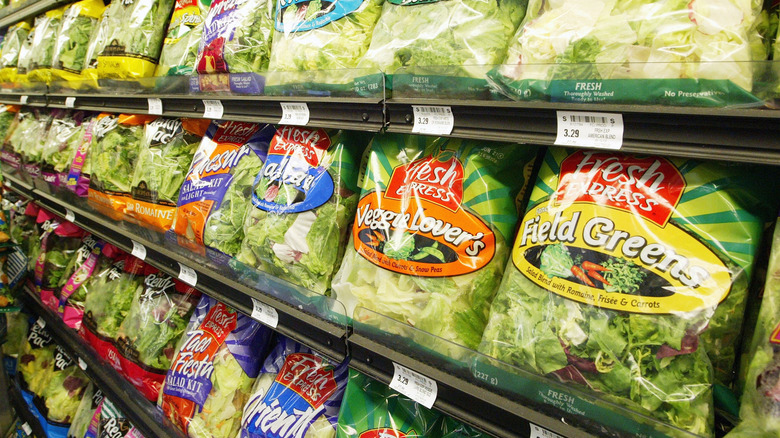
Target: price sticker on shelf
70, 102
139, 251
433, 120
540, 432
70, 216
213, 109
414, 385
27, 429
264, 313
8, 184
155, 106
590, 130
294, 113
23, 100
188, 275
41, 323
82, 364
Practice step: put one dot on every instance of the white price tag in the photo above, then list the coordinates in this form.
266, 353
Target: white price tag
8, 184
82, 364
590, 130
155, 106
294, 113
70, 216
540, 432
264, 313
188, 275
27, 429
23, 100
434, 120
213, 109
139, 251
41, 322
70, 102
414, 385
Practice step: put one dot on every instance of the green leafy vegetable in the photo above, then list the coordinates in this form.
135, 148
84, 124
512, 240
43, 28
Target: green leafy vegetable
62, 140
180, 48
109, 297
65, 386
114, 152
72, 42
12, 44
624, 276
556, 261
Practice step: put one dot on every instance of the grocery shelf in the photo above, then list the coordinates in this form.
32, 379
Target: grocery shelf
35, 97
28, 9
143, 414
730, 134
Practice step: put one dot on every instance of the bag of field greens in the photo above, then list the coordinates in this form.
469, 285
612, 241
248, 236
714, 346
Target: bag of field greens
218, 185
12, 45
300, 384
113, 154
35, 359
97, 42
372, 410
58, 244
629, 275
312, 36
303, 201
134, 42
77, 176
66, 385
155, 322
79, 21
87, 407
180, 47
431, 235
760, 409
62, 139
228, 348
47, 27
165, 155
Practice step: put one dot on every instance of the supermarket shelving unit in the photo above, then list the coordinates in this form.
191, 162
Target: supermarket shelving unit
28, 9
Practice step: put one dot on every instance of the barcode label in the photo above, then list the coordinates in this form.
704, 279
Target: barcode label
27, 429
264, 313
70, 102
414, 385
294, 113
433, 120
213, 109
139, 251
590, 130
188, 275
23, 100
155, 106
82, 364
70, 216
540, 432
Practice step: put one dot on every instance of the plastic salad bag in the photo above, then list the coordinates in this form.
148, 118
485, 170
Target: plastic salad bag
629, 275
7, 117
24, 230
65, 387
305, 390
372, 410
216, 191
86, 410
211, 378
12, 45
112, 423
62, 140
24, 58
163, 160
180, 48
431, 236
36, 358
59, 242
303, 201
116, 142
79, 21
17, 326
32, 148
661, 52
42, 51
14, 142
25, 144
78, 175
136, 32
462, 34
97, 42
315, 35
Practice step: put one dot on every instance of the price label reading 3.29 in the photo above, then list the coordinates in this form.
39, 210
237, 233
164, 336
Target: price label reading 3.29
590, 130
433, 120
414, 385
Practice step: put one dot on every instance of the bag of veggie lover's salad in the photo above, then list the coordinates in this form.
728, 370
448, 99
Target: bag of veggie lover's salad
147, 338
47, 27
62, 139
431, 237
180, 47
760, 409
77, 177
12, 45
110, 294
629, 275
372, 410
79, 21
36, 358
303, 201
228, 349
319, 42
305, 388
164, 158
218, 185
86, 410
663, 52
113, 154
59, 242
136, 32
65, 387
464, 34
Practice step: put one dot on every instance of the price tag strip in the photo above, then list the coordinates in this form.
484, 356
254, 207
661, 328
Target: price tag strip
433, 120
155, 106
188, 275
414, 385
294, 113
213, 109
70, 216
590, 130
264, 313
70, 102
139, 251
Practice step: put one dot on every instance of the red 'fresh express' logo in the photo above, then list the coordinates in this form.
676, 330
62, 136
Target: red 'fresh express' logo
650, 187
309, 144
308, 377
236, 133
430, 178
383, 433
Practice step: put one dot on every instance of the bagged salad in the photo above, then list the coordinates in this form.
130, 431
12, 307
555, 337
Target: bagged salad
32, 148
17, 328
24, 230
12, 45
58, 244
211, 377
65, 387
629, 275
36, 357
7, 117
136, 32
42, 50
216, 191
112, 423
321, 41
13, 271
303, 200
79, 21
86, 410
25, 143
78, 175
431, 235
24, 58
165, 155
662, 52
13, 142
180, 47
305, 390
97, 42
147, 338
62, 140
